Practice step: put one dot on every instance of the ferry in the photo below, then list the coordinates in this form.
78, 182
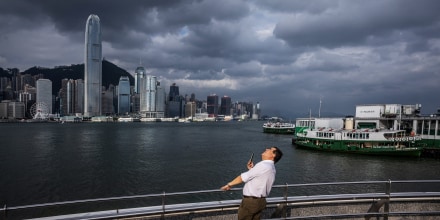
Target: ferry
277, 126
129, 119
384, 118
363, 141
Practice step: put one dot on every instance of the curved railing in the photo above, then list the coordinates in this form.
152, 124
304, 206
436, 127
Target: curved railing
365, 199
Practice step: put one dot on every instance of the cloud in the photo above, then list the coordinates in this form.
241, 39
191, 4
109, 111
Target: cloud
285, 54
353, 22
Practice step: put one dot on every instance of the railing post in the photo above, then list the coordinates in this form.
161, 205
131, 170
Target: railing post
4, 209
386, 207
285, 199
163, 206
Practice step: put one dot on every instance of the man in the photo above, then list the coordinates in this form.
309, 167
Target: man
258, 183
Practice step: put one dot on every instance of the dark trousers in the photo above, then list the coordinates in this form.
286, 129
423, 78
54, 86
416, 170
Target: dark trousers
251, 208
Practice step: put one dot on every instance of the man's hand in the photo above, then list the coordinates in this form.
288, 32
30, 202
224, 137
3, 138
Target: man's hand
250, 164
226, 187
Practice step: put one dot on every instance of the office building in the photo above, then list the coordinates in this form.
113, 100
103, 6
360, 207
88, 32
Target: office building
212, 105
148, 94
44, 94
152, 98
107, 101
190, 109
79, 97
225, 106
256, 112
160, 101
174, 93
139, 74
124, 95
175, 103
93, 68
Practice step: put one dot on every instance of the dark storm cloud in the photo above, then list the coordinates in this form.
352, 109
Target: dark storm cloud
352, 22
286, 54
298, 6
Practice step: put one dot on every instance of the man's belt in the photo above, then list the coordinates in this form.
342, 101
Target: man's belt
253, 197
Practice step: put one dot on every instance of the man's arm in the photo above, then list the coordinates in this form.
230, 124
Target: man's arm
234, 182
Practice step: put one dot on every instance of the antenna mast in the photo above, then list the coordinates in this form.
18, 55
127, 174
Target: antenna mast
319, 113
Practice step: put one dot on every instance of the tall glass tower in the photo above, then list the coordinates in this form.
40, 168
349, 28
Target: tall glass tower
124, 95
148, 94
212, 105
139, 74
92, 67
225, 106
44, 93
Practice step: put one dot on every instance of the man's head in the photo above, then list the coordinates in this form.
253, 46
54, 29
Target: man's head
272, 153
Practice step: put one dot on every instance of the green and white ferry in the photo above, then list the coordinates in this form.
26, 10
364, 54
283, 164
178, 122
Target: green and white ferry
277, 126
382, 129
364, 141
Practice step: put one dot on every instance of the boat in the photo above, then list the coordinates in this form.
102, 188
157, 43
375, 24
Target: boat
277, 126
387, 116
128, 119
361, 141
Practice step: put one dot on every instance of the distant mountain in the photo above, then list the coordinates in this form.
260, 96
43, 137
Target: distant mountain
7, 72
110, 74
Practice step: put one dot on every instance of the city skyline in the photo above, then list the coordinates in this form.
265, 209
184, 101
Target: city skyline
293, 56
29, 96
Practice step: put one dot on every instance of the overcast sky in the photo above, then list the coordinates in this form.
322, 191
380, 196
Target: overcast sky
284, 54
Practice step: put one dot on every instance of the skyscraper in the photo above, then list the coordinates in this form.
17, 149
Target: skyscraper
44, 94
225, 106
79, 96
160, 101
148, 95
93, 67
139, 74
175, 102
124, 95
212, 107
174, 92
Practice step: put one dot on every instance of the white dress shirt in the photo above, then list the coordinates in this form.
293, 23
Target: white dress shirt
259, 179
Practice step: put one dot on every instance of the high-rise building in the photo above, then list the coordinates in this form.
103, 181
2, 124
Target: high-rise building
66, 96
139, 74
93, 67
160, 101
212, 105
225, 106
71, 96
190, 109
44, 93
124, 95
257, 111
79, 96
174, 93
148, 95
135, 103
107, 100
175, 102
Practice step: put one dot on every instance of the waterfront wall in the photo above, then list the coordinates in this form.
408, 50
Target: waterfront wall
425, 210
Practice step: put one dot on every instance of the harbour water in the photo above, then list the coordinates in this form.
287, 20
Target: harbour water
52, 162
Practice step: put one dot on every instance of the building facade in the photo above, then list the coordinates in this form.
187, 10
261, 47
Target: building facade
124, 95
139, 74
225, 106
212, 105
44, 93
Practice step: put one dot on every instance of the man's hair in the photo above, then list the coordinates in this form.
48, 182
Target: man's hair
278, 154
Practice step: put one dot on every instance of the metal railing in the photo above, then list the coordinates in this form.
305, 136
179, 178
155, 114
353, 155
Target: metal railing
367, 197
